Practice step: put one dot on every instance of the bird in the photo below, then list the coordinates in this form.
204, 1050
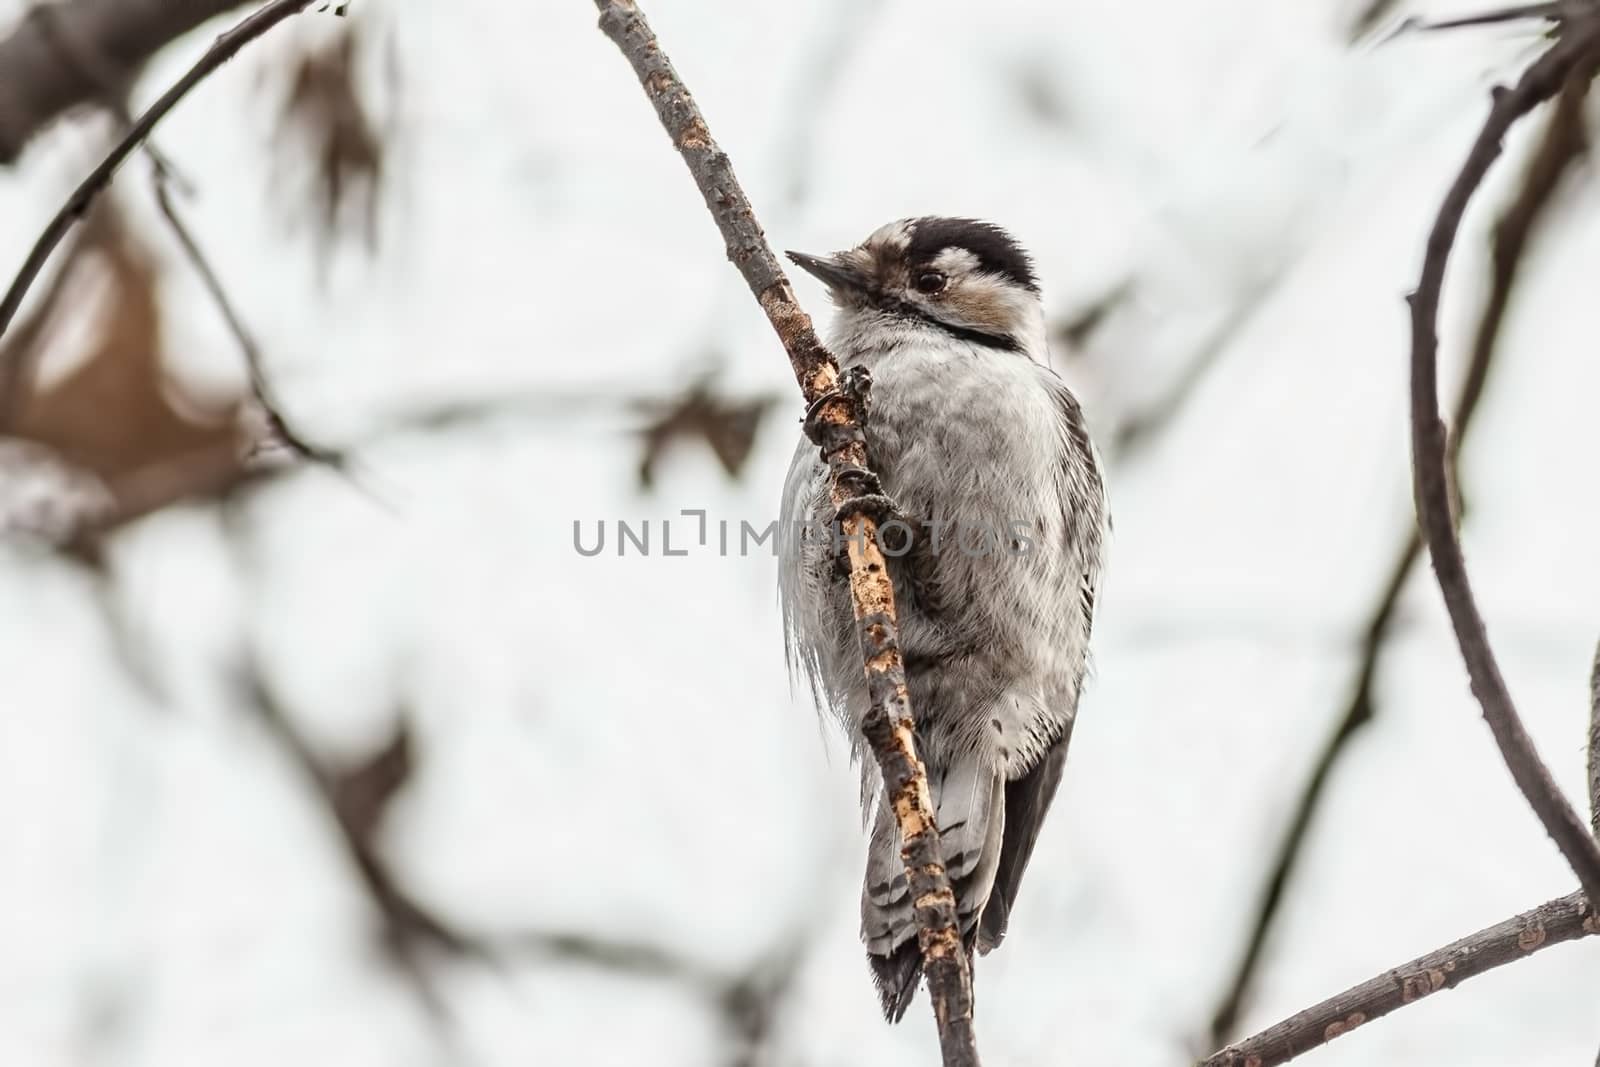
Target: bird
984, 454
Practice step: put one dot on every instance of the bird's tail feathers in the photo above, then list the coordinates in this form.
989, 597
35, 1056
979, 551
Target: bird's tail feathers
969, 802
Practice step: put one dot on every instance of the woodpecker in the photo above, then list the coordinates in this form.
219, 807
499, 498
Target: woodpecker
985, 455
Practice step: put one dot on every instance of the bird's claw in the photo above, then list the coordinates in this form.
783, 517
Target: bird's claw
876, 505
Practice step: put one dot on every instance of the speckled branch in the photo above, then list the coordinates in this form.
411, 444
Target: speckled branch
1564, 919
223, 49
837, 409
1575, 53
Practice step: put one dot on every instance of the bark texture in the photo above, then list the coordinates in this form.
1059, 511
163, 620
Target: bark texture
837, 410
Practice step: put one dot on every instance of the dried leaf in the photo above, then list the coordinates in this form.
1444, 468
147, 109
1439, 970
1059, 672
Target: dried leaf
113, 418
727, 425
328, 123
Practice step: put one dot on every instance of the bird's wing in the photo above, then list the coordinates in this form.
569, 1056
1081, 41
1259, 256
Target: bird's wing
1027, 799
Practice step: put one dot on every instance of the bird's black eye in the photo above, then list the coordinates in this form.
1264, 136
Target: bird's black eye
930, 281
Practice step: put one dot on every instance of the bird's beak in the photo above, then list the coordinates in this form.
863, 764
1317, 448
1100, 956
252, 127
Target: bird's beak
833, 271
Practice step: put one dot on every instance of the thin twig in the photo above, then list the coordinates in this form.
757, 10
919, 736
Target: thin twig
1144, 427
260, 388
1574, 54
1367, 19
223, 49
1563, 142
1564, 919
1358, 712
97, 69
1555, 11
409, 926
837, 408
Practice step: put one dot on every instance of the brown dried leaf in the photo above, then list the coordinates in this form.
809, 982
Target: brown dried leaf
115, 417
728, 426
326, 120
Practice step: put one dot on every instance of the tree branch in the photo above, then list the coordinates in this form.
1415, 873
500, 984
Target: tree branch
1576, 53
1358, 712
260, 387
356, 799
837, 407
223, 49
36, 87
1554, 11
1563, 142
96, 68
1564, 919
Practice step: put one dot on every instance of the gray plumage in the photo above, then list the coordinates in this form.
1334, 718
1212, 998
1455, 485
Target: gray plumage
984, 450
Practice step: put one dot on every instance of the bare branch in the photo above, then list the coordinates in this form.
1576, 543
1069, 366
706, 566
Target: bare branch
355, 799
1358, 712
78, 50
260, 388
1367, 19
1563, 142
1575, 54
224, 48
1554, 11
836, 412
1143, 427
1564, 919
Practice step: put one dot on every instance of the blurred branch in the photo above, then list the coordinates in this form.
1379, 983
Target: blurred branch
224, 48
356, 799
746, 1002
1594, 756
1564, 141
1376, 10
221, 474
260, 388
1367, 19
213, 472
1074, 330
1142, 427
98, 69
836, 413
1575, 54
1594, 744
1548, 12
36, 87
1564, 919
1358, 712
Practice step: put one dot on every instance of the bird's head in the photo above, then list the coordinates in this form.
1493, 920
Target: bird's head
967, 278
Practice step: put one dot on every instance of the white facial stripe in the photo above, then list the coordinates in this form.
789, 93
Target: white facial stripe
956, 261
896, 235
